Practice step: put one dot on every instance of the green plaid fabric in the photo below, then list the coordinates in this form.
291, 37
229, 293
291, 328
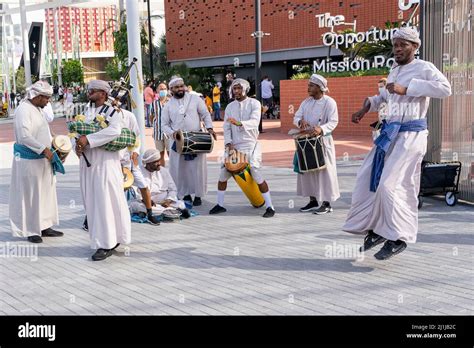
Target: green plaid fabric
125, 139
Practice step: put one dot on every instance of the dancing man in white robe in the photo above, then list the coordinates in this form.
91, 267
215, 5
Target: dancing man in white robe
164, 194
108, 217
33, 204
185, 112
241, 121
318, 115
384, 202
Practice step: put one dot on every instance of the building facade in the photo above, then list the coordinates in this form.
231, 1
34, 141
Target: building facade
217, 33
84, 33
89, 29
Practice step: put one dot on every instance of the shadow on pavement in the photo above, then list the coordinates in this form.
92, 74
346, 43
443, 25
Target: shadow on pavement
189, 259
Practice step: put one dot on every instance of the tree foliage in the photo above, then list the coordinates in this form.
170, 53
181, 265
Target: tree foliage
72, 72
118, 65
201, 79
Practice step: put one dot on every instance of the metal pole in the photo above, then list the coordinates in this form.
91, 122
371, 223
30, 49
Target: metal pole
5, 55
58, 53
258, 55
150, 42
136, 77
26, 45
422, 23
13, 62
120, 13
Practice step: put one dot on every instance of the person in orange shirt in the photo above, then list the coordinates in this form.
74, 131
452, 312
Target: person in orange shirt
208, 102
216, 101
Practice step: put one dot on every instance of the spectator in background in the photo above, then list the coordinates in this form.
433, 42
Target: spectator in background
208, 101
69, 96
48, 112
149, 96
12, 99
61, 94
230, 78
267, 95
191, 91
382, 109
216, 101
161, 141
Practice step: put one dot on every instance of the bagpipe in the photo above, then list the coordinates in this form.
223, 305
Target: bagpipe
117, 96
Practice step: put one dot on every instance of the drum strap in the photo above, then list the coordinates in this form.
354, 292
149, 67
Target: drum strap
187, 157
26, 153
296, 167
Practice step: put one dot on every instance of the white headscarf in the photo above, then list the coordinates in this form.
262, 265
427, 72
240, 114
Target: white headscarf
151, 155
175, 80
320, 81
100, 85
39, 88
244, 83
409, 34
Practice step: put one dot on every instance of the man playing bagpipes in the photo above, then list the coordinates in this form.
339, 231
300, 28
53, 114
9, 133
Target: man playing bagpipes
101, 178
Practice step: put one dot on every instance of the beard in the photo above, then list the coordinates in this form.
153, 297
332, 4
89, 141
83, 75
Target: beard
179, 94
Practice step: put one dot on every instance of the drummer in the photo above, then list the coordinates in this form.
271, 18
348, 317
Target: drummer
33, 200
241, 121
186, 112
318, 115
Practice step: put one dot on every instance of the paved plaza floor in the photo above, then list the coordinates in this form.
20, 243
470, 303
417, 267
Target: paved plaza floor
239, 263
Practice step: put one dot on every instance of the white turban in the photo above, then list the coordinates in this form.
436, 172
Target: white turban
219, 84
100, 85
320, 81
409, 34
176, 80
39, 88
151, 155
244, 83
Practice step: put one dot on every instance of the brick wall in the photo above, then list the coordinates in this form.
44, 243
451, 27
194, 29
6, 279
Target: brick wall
349, 93
196, 29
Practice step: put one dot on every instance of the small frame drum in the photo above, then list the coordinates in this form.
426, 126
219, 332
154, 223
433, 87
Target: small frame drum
62, 146
128, 178
189, 143
310, 153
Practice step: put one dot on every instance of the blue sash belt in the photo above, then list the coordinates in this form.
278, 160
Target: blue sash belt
26, 153
388, 133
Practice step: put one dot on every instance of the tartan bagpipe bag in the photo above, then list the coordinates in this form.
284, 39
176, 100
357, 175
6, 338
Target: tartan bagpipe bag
126, 139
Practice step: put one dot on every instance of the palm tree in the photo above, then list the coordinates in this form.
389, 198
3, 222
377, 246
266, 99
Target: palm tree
368, 50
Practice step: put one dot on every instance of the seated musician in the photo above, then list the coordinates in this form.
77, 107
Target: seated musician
129, 159
162, 187
318, 115
241, 120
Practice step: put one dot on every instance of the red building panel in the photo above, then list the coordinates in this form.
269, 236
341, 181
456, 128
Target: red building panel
223, 27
